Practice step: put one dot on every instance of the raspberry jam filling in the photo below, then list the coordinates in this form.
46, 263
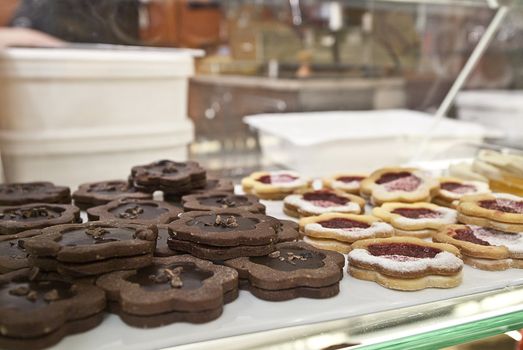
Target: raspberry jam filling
325, 199
348, 179
402, 251
417, 213
458, 188
503, 205
401, 181
343, 223
468, 236
276, 179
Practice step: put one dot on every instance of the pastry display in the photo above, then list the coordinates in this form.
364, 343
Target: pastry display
406, 263
339, 230
294, 269
345, 182
33, 192
14, 219
99, 193
408, 185
222, 200
316, 202
483, 247
173, 289
274, 185
420, 220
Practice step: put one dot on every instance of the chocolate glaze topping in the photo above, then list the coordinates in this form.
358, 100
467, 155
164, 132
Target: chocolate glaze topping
224, 201
14, 249
96, 235
23, 188
291, 259
165, 168
416, 213
403, 249
144, 211
177, 276
111, 188
325, 196
343, 223
31, 214
24, 294
223, 222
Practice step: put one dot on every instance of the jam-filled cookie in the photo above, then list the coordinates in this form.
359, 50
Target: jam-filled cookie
406, 263
294, 269
99, 193
415, 219
407, 185
340, 230
222, 200
174, 289
14, 219
38, 310
500, 211
345, 182
173, 178
92, 248
484, 248
13, 255
135, 211
33, 192
451, 189
224, 234
318, 202
274, 185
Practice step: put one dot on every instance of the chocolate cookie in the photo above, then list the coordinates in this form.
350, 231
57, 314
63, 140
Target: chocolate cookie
216, 185
162, 249
147, 212
99, 193
209, 252
288, 231
14, 219
173, 289
13, 255
39, 309
33, 192
222, 200
295, 269
171, 177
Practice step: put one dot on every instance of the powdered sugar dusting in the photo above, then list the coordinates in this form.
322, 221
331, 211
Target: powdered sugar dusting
512, 241
446, 216
406, 184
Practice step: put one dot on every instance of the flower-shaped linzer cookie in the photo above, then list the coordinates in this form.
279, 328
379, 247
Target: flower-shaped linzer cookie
274, 185
345, 182
318, 202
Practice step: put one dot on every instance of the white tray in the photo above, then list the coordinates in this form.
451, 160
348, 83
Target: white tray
248, 314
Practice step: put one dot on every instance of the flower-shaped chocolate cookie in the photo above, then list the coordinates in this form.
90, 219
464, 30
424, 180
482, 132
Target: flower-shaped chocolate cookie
222, 200
13, 255
14, 219
99, 193
33, 192
173, 289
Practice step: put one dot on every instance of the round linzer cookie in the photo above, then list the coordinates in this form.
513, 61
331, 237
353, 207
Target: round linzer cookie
407, 185
406, 263
274, 185
173, 178
415, 219
99, 193
347, 228
13, 255
222, 200
14, 219
293, 270
38, 310
93, 248
484, 248
288, 231
135, 211
319, 202
345, 182
174, 289
34, 192
498, 210
223, 234
452, 189
162, 249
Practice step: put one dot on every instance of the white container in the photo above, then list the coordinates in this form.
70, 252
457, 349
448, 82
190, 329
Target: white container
74, 156
48, 89
321, 143
496, 109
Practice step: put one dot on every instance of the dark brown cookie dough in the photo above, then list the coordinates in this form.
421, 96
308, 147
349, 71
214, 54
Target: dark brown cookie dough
33, 192
168, 176
99, 193
222, 200
293, 265
14, 219
288, 232
217, 254
225, 228
34, 306
135, 211
13, 255
178, 285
